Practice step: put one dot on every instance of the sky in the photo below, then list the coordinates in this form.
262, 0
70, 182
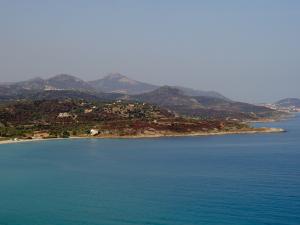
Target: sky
246, 50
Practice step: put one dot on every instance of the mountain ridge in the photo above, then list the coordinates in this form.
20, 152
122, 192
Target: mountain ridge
111, 83
57, 82
202, 106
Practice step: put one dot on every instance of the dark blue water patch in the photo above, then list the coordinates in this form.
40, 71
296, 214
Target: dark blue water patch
212, 180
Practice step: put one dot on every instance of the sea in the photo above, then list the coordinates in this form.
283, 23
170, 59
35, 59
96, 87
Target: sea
247, 179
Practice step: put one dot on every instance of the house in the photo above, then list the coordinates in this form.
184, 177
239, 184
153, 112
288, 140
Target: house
94, 132
64, 115
88, 110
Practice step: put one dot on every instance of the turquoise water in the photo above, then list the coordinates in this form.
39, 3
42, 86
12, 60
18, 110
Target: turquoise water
217, 180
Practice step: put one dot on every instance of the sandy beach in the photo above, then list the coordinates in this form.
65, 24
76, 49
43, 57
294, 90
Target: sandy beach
11, 141
154, 135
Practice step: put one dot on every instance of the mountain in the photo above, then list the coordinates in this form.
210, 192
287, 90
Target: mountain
68, 82
289, 102
58, 82
112, 83
118, 83
176, 100
32, 84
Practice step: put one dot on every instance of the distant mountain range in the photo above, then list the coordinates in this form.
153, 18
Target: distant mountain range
181, 100
59, 82
112, 83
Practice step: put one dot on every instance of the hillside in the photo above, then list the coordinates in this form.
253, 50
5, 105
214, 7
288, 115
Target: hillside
64, 118
167, 97
32, 95
194, 92
203, 107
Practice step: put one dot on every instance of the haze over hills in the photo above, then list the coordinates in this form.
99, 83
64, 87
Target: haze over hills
112, 83
58, 82
194, 92
117, 83
181, 100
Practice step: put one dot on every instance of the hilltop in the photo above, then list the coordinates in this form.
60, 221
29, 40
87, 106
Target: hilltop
118, 83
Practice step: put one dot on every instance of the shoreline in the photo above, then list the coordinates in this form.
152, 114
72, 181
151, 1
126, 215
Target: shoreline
10, 141
262, 130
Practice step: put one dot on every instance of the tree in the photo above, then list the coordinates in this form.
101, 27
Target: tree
65, 134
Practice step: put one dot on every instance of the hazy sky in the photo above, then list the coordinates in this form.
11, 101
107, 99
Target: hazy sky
247, 50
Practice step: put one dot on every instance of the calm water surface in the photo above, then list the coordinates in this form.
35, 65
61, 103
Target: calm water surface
217, 180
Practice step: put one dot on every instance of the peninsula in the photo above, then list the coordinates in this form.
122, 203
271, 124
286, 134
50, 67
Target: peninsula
49, 119
64, 106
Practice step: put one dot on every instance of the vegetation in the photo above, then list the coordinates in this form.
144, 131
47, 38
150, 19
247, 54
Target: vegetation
65, 118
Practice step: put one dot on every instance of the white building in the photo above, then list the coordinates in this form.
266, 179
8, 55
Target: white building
94, 132
64, 115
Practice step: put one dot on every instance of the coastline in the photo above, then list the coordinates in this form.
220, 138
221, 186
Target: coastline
34, 140
154, 135
288, 116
